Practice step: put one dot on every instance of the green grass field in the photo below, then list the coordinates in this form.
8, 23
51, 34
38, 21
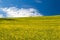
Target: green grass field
30, 28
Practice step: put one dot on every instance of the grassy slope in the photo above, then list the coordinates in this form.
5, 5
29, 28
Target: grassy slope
31, 28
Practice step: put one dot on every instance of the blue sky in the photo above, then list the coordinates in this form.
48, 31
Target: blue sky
44, 7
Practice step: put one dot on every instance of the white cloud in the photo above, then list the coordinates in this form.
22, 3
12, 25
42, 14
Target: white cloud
38, 1
22, 12
1, 16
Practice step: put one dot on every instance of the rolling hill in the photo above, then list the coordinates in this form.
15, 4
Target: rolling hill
30, 28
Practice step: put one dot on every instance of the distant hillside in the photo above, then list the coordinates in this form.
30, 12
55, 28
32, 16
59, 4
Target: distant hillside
30, 28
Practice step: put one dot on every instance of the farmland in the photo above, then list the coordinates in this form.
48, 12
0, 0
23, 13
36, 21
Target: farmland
30, 28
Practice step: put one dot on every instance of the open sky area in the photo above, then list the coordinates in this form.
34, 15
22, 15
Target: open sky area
26, 8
